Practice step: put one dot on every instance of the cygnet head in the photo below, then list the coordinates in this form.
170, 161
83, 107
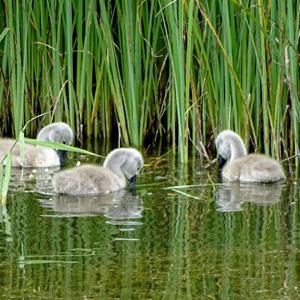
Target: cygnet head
229, 146
127, 161
58, 132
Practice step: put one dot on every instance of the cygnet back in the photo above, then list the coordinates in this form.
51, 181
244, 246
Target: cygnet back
120, 165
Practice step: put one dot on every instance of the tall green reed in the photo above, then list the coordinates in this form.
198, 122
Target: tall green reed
182, 71
173, 15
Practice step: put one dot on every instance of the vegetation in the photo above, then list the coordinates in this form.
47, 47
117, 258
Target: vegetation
183, 70
20, 142
5, 178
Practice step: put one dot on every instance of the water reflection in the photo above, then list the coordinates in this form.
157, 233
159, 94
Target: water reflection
55, 245
30, 180
231, 196
119, 207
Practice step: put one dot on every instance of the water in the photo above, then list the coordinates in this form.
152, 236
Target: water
209, 241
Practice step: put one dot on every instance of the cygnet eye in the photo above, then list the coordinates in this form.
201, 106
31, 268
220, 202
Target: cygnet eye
64, 142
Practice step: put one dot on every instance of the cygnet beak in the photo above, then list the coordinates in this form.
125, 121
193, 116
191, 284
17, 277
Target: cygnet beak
132, 182
62, 154
221, 162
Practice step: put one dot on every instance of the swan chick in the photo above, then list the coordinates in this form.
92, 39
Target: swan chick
238, 166
38, 156
120, 165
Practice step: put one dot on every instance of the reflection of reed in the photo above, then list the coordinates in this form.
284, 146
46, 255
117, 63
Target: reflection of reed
118, 206
182, 243
231, 196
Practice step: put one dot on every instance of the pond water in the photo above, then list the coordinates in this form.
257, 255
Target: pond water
165, 241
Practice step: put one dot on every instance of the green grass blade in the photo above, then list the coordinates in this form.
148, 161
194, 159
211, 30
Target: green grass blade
6, 180
3, 33
59, 146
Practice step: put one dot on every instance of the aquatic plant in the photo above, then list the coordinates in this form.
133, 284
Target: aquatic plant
5, 178
177, 70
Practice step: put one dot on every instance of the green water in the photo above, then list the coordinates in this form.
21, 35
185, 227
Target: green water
212, 241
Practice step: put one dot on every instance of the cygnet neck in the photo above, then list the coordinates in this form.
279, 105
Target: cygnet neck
114, 165
237, 148
43, 136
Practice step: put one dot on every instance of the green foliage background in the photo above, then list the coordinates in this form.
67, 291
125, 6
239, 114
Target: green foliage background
180, 70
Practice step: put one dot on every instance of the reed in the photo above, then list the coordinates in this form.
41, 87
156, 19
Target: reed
5, 178
180, 70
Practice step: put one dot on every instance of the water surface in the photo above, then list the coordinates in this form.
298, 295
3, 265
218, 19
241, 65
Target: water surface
165, 241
